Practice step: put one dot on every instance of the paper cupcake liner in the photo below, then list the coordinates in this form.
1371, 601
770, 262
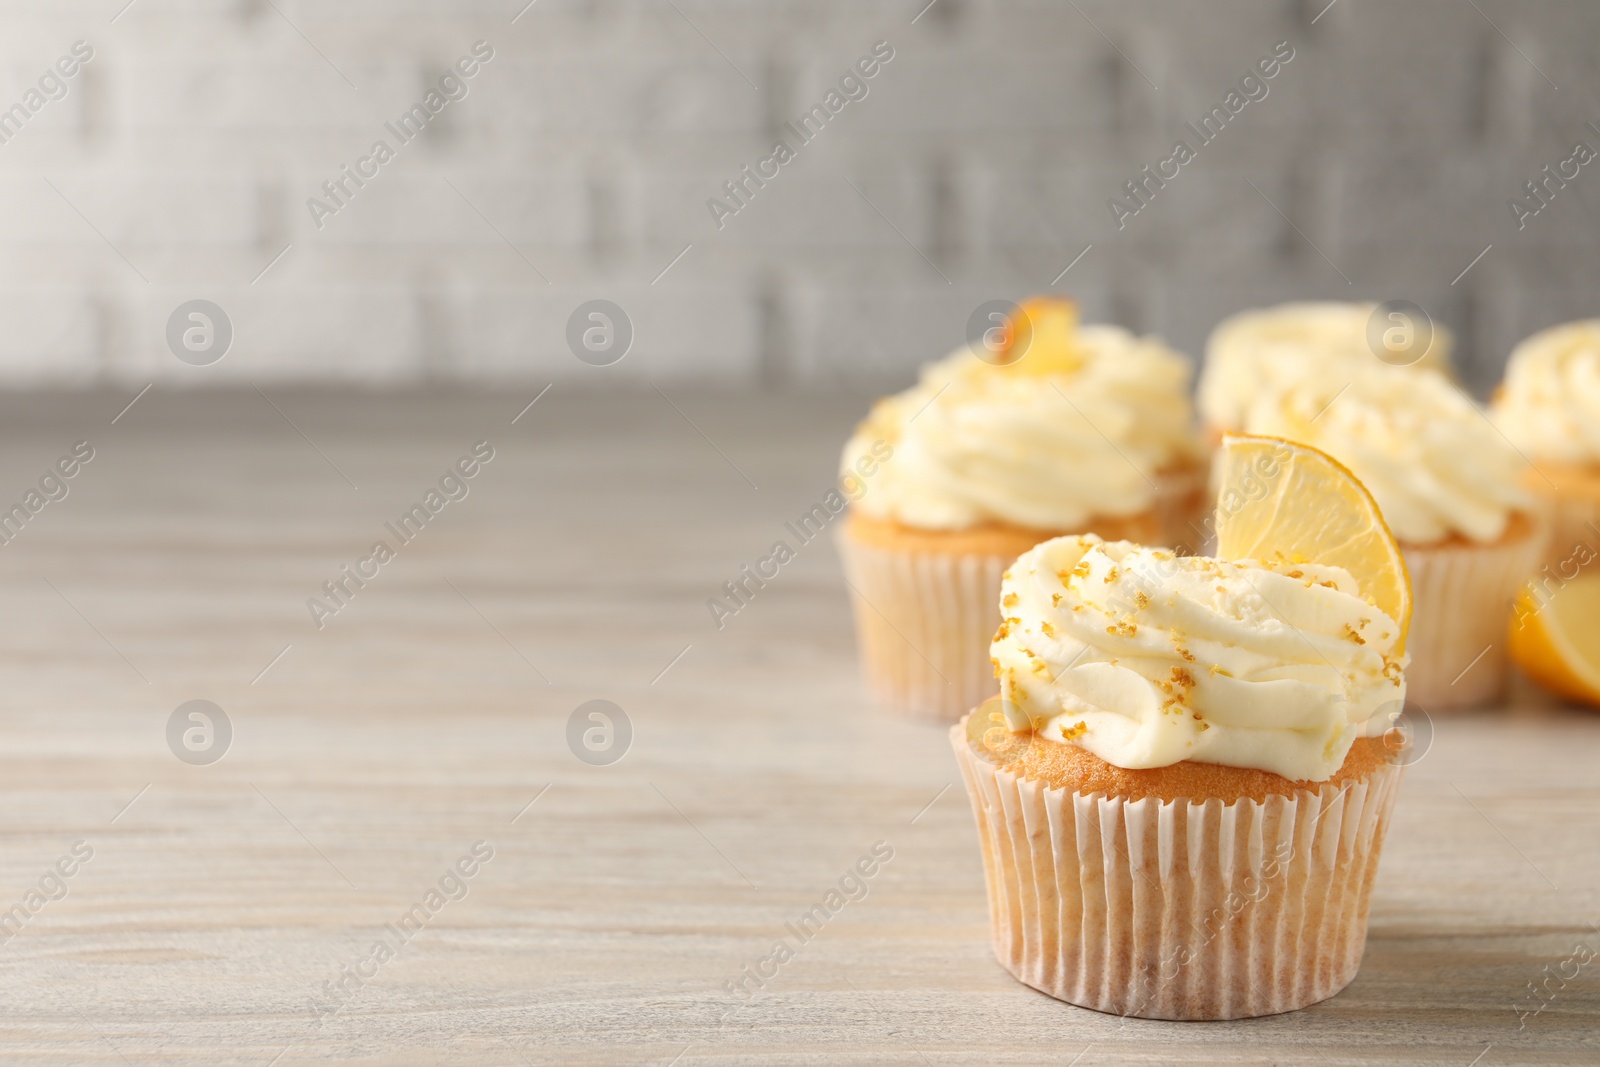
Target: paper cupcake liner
1461, 609
1181, 503
1179, 910
924, 623
1574, 520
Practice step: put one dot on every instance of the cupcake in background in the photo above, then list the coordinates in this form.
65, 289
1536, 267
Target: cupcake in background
1549, 406
1183, 789
1057, 428
1265, 351
1450, 487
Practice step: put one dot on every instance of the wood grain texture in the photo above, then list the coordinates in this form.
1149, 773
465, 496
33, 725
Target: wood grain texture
427, 714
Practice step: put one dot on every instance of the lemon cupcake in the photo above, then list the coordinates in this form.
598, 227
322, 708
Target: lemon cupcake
1061, 428
1449, 485
1549, 406
1264, 351
1183, 788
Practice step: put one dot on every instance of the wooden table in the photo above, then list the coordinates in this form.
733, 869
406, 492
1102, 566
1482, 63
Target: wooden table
431, 712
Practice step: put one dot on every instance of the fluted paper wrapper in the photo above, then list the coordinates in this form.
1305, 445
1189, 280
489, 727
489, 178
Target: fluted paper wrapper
1179, 910
1461, 608
1182, 503
1574, 520
924, 623
924, 620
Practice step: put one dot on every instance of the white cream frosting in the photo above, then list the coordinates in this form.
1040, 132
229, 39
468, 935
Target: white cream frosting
1041, 445
1146, 658
1427, 453
1550, 403
1266, 350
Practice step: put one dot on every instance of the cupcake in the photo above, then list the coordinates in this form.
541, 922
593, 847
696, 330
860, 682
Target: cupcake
1549, 406
1061, 428
1450, 487
1183, 788
1264, 351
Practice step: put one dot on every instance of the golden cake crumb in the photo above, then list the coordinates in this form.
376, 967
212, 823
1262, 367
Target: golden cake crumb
1074, 767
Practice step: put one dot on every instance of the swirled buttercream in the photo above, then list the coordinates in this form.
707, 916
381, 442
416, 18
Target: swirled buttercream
1266, 350
1057, 438
1425, 450
1145, 658
1550, 403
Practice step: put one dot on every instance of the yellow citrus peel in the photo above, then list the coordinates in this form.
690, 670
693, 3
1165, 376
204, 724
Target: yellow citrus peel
1282, 501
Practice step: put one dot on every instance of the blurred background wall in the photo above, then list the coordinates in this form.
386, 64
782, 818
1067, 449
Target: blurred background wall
979, 164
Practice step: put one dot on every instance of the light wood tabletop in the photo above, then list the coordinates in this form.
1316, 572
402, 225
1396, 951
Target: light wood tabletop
173, 910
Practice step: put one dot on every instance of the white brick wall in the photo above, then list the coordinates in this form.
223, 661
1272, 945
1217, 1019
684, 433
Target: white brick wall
183, 154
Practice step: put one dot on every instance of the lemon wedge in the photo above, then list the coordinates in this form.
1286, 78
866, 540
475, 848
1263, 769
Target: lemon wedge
1558, 644
1042, 338
1281, 501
